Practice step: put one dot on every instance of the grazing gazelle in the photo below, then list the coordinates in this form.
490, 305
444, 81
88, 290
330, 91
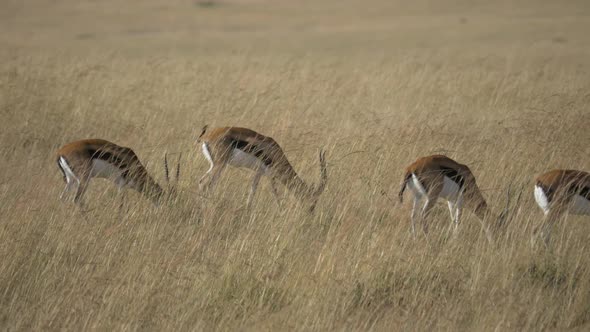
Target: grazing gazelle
560, 191
241, 147
82, 160
438, 176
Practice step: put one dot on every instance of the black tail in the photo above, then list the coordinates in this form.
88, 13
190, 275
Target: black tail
202, 133
401, 191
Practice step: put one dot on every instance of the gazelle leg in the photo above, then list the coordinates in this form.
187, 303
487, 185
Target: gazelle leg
120, 182
452, 210
415, 213
458, 210
425, 210
547, 226
275, 192
203, 178
214, 175
82, 186
67, 189
254, 186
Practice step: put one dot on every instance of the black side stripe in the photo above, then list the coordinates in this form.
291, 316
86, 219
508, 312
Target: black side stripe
453, 175
582, 191
251, 148
585, 192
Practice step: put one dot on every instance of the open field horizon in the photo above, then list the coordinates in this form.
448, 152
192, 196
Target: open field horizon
501, 87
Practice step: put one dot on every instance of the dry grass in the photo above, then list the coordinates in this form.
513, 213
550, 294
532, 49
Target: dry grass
501, 87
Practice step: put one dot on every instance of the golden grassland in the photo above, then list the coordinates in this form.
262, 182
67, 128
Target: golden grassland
502, 87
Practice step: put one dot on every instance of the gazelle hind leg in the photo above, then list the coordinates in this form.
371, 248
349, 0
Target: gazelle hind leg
69, 176
415, 212
82, 187
213, 177
425, 211
547, 226
67, 190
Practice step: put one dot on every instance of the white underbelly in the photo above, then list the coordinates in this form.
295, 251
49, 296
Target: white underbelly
240, 158
450, 190
541, 199
580, 205
103, 169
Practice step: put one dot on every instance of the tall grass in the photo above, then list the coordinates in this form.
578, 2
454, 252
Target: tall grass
204, 262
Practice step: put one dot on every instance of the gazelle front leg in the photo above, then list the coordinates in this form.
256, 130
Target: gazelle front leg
425, 210
255, 182
415, 212
120, 182
455, 208
275, 192
81, 189
547, 226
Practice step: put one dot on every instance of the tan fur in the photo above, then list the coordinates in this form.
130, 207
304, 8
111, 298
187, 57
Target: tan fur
79, 156
221, 142
561, 183
559, 187
428, 171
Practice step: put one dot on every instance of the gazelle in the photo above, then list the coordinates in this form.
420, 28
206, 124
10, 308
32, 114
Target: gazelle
241, 147
82, 160
560, 191
438, 176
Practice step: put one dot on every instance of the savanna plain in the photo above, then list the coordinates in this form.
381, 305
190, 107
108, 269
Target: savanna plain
502, 86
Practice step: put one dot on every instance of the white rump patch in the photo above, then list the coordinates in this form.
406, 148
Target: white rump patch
207, 154
240, 158
541, 199
580, 205
450, 190
416, 186
104, 169
70, 176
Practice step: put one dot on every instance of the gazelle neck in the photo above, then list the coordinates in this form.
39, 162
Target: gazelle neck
151, 189
296, 184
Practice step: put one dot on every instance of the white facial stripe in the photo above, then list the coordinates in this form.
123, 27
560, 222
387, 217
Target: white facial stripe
541, 199
70, 176
207, 154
